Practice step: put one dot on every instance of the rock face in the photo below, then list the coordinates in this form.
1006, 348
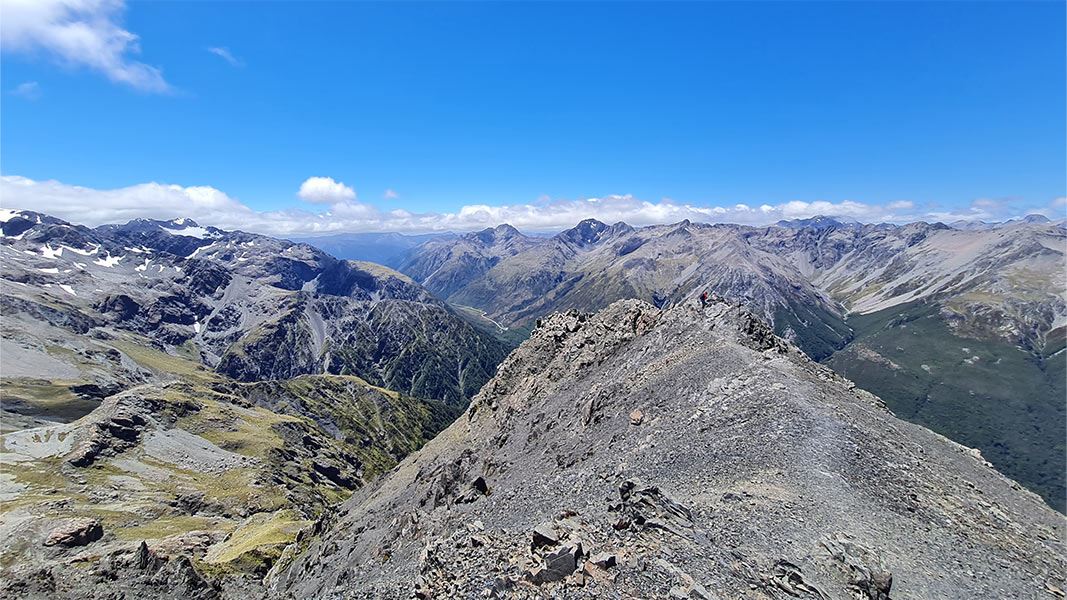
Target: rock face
753, 472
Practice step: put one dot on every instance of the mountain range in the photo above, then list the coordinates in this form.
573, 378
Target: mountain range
206, 389
945, 324
189, 412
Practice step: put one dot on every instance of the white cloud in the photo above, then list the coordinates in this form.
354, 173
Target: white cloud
390, 194
324, 190
148, 200
210, 206
80, 33
29, 90
993, 210
901, 205
224, 53
1056, 210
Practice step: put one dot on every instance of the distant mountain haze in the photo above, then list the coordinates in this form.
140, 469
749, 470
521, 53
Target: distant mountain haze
389, 249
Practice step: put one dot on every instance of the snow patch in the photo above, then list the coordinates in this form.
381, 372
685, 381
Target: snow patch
196, 327
48, 252
66, 288
108, 261
196, 232
143, 267
7, 214
197, 251
80, 251
51, 270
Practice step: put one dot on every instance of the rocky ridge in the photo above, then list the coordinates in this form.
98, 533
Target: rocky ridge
684, 453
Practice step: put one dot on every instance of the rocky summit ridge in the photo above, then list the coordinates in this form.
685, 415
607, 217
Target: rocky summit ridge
687, 452
944, 324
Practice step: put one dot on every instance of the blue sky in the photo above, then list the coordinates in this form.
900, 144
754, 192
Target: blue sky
521, 110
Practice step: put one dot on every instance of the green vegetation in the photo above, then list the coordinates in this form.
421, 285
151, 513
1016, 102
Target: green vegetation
511, 336
984, 393
817, 332
40, 478
161, 363
258, 541
49, 399
314, 439
378, 425
244, 431
167, 526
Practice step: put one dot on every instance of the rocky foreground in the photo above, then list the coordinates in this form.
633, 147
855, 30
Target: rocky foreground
683, 453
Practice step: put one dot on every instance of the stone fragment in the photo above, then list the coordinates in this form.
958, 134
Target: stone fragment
544, 535
604, 560
636, 416
559, 563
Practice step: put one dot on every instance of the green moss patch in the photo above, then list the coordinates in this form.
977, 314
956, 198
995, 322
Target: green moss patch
258, 541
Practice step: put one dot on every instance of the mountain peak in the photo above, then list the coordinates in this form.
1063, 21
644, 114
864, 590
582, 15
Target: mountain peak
506, 229
500, 233
183, 222
816, 222
592, 231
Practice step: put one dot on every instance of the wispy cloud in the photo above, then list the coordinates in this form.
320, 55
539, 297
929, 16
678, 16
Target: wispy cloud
390, 194
343, 213
324, 190
79, 33
224, 53
29, 90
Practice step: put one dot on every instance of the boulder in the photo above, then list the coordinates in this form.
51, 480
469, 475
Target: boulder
75, 532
